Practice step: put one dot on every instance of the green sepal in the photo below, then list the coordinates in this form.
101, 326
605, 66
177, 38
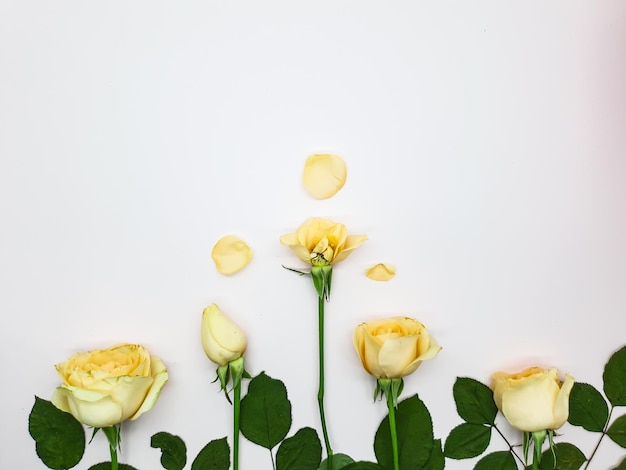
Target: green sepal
234, 371
114, 435
538, 438
223, 375
322, 279
391, 388
297, 271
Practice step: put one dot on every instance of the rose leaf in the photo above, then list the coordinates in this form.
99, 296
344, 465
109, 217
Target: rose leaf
474, 401
568, 457
215, 455
415, 435
467, 440
617, 431
59, 437
173, 450
615, 379
265, 411
587, 408
340, 461
502, 460
302, 451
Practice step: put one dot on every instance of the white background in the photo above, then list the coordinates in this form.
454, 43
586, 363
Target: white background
486, 160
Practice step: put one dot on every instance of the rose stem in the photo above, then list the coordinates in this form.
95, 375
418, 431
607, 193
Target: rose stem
392, 427
236, 403
112, 434
320, 391
510, 446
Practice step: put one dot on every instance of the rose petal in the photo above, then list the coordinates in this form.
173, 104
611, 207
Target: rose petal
324, 175
381, 272
231, 254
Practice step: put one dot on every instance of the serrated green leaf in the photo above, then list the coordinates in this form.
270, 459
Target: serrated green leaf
467, 440
587, 408
436, 461
568, 457
620, 466
502, 460
173, 450
302, 451
265, 411
107, 466
614, 378
617, 431
415, 435
362, 465
213, 456
59, 437
474, 401
339, 462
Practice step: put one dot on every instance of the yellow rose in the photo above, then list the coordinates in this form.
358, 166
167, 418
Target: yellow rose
533, 399
393, 347
222, 340
105, 387
322, 241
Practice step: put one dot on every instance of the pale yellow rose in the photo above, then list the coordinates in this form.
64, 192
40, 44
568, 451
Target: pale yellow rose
222, 340
107, 386
533, 399
322, 241
393, 347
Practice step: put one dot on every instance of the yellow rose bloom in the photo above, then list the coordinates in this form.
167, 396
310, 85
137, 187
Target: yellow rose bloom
104, 387
534, 399
222, 340
393, 347
322, 242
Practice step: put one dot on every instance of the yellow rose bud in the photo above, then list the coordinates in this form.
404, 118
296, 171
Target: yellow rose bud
393, 347
322, 242
222, 340
533, 399
105, 387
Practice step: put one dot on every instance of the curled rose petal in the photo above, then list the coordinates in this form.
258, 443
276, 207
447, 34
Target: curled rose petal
381, 272
324, 175
231, 254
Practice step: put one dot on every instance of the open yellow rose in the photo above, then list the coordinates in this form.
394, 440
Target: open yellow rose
533, 399
222, 340
105, 387
322, 242
393, 347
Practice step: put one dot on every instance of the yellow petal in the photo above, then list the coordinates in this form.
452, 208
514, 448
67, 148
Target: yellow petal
231, 254
324, 175
381, 272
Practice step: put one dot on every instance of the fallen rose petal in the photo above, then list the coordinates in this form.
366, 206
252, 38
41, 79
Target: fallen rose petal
324, 175
231, 254
381, 272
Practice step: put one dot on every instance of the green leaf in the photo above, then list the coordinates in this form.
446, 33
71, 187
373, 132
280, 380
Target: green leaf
265, 411
617, 431
502, 460
436, 461
107, 466
415, 435
568, 457
587, 408
614, 378
474, 401
173, 450
339, 461
59, 437
302, 451
621, 466
362, 465
213, 456
467, 440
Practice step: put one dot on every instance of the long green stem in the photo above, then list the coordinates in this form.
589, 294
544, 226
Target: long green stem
236, 407
320, 391
394, 434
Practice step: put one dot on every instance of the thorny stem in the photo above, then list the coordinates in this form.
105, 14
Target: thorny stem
595, 449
